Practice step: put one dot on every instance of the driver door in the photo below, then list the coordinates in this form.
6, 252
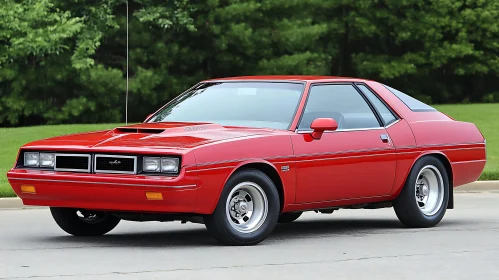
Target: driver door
356, 160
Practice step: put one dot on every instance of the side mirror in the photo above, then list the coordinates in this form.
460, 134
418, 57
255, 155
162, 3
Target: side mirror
322, 124
148, 116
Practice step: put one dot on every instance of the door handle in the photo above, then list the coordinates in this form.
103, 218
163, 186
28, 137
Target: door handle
385, 138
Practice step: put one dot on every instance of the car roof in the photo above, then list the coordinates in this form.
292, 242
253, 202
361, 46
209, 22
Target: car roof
301, 78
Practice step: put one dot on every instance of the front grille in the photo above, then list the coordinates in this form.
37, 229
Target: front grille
115, 164
72, 162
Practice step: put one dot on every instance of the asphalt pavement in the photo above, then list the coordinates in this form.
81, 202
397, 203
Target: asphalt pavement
348, 244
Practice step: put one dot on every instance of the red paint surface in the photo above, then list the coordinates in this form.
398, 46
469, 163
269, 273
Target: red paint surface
346, 164
341, 168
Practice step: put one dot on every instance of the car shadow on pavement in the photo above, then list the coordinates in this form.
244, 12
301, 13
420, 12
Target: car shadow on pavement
199, 237
344, 227
155, 239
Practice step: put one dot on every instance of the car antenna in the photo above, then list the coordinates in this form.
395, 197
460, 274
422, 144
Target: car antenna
126, 92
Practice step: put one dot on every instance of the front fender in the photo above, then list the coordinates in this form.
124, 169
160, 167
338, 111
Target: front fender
217, 163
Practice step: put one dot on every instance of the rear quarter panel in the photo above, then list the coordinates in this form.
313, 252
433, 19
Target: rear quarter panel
434, 133
461, 142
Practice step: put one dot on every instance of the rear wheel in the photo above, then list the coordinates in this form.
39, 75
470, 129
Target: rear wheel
247, 210
424, 198
83, 223
289, 217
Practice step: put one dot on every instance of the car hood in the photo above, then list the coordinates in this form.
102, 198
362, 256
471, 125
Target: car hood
151, 136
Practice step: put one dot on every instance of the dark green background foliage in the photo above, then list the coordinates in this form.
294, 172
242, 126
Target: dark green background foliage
64, 61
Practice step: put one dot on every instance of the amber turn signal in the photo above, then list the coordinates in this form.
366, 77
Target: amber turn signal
154, 196
28, 189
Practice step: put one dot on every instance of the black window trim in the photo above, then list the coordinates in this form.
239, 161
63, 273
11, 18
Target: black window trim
397, 117
353, 84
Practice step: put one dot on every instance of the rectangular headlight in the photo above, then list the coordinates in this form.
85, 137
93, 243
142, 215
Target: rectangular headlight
160, 165
169, 165
47, 160
151, 164
31, 159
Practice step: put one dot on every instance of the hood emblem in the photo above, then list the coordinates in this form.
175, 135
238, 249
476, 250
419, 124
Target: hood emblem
115, 162
195, 127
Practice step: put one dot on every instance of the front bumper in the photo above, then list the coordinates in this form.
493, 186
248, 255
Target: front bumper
110, 192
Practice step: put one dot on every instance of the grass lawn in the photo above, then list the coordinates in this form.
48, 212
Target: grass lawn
485, 116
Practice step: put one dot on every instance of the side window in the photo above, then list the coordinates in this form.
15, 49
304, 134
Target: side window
343, 103
411, 102
385, 113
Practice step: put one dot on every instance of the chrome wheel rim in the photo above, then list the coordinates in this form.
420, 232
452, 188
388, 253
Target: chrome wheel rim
246, 207
429, 191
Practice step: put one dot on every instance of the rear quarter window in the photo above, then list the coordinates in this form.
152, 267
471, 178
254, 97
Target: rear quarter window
411, 102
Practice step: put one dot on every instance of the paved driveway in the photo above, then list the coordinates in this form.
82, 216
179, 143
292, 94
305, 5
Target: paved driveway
349, 244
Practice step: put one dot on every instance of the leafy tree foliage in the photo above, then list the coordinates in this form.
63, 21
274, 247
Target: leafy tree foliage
64, 61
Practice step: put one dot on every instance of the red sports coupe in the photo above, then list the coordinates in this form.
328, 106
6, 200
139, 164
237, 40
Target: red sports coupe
243, 154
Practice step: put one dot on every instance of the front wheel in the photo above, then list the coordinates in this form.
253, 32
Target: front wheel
247, 210
424, 198
83, 223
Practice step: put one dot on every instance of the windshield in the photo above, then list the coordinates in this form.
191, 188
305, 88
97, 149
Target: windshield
249, 104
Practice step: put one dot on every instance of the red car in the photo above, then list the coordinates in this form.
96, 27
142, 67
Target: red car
243, 154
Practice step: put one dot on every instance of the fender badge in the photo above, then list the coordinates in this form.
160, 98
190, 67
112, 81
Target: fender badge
285, 168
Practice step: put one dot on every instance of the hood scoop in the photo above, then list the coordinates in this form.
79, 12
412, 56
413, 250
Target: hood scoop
119, 130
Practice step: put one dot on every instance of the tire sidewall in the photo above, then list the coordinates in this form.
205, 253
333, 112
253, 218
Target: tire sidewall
68, 221
411, 186
268, 187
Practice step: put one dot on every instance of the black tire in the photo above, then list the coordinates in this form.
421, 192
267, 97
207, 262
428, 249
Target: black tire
406, 205
289, 217
69, 221
220, 223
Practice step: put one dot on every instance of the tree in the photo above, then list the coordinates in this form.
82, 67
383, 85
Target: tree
64, 61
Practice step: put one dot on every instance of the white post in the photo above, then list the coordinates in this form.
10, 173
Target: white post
126, 96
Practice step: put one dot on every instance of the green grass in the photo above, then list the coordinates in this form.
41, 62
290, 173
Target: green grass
13, 138
485, 116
